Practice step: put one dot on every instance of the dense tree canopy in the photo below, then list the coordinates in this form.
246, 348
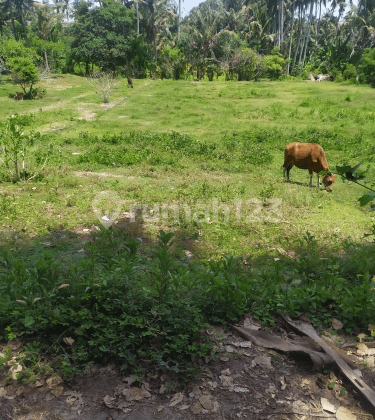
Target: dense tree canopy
101, 35
234, 38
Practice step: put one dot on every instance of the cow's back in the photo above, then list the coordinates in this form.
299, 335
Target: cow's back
301, 151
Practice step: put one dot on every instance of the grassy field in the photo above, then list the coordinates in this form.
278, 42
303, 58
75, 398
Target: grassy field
214, 149
241, 129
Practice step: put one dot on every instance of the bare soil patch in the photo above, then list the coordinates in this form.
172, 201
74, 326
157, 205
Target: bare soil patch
246, 381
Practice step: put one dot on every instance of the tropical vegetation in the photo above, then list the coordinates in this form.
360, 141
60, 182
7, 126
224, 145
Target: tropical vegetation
236, 39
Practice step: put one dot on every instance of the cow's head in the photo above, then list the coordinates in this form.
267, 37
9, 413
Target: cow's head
328, 180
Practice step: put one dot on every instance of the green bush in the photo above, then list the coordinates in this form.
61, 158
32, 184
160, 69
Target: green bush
24, 72
350, 72
367, 67
274, 64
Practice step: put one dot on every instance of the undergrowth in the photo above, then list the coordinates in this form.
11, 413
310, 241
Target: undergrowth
121, 304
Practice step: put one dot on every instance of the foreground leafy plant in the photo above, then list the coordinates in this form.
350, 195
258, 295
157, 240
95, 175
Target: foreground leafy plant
17, 145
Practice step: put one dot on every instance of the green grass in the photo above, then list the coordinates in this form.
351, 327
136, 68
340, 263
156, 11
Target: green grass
270, 113
193, 144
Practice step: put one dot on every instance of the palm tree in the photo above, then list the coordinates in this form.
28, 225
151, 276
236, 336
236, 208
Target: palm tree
12, 19
21, 5
307, 36
291, 34
179, 18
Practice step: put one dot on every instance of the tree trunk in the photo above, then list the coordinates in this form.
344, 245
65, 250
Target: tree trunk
179, 18
281, 22
24, 27
12, 19
248, 22
1, 30
137, 20
307, 37
47, 66
291, 36
303, 39
275, 30
298, 39
154, 32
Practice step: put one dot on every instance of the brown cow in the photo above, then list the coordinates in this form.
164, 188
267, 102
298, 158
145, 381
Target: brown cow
308, 156
19, 96
130, 82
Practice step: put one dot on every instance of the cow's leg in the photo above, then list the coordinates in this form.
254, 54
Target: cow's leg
288, 165
311, 177
319, 184
286, 170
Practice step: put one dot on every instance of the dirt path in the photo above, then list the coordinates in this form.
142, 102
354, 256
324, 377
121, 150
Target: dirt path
246, 382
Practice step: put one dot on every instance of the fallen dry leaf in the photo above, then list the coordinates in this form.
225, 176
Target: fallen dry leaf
196, 408
226, 380
336, 324
56, 380
144, 392
177, 398
205, 400
68, 340
262, 361
15, 369
327, 406
57, 391
362, 349
343, 413
108, 401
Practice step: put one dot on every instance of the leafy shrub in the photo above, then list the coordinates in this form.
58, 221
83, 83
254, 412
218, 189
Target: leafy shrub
350, 72
25, 73
367, 66
274, 64
108, 156
165, 306
17, 143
